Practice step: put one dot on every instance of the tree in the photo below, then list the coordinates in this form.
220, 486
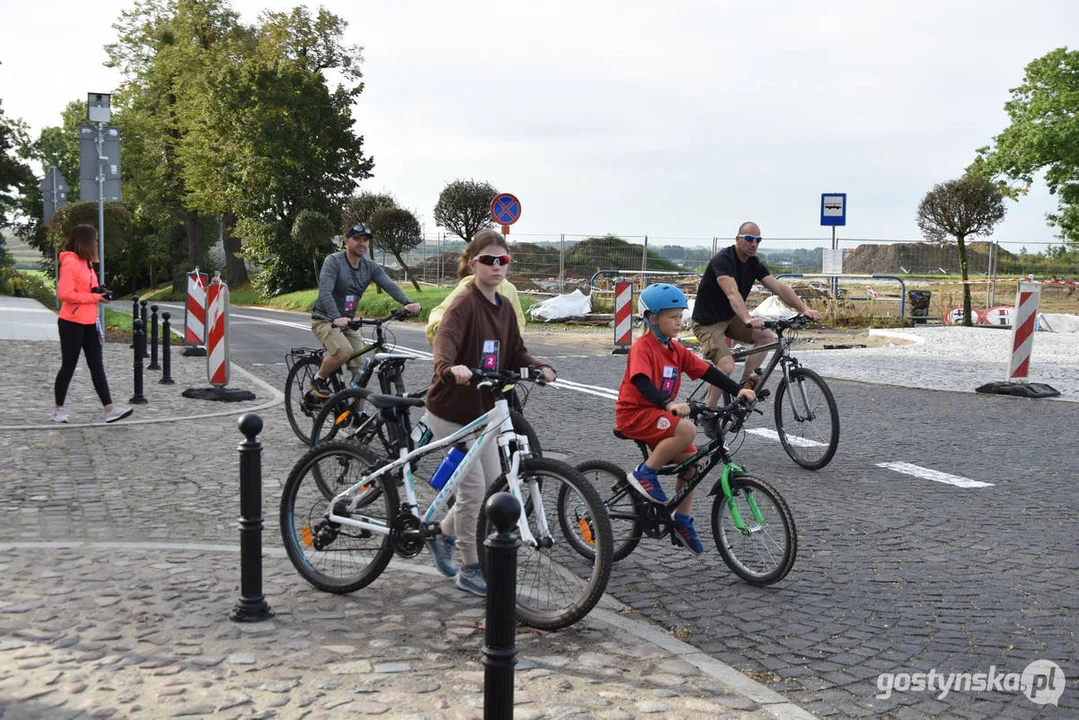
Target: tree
967, 207
398, 231
15, 173
1043, 135
360, 208
464, 207
313, 230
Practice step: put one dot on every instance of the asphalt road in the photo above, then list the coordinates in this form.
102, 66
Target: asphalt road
897, 574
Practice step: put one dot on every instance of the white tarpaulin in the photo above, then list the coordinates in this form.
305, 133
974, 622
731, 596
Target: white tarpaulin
1058, 322
772, 308
575, 304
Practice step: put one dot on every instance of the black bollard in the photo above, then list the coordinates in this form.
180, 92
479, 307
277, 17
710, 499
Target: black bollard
140, 346
153, 339
252, 606
134, 314
500, 650
145, 327
166, 346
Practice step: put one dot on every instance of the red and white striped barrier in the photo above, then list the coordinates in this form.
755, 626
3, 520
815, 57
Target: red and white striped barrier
1026, 313
195, 309
623, 315
217, 335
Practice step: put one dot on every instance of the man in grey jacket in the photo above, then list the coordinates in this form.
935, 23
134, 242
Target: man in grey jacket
344, 277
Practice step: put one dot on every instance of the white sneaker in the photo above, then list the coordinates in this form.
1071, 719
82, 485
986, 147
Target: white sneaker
60, 416
117, 413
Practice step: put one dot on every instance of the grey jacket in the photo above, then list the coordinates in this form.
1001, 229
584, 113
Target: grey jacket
340, 287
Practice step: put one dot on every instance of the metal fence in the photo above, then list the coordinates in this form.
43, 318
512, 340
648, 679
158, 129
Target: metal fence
559, 262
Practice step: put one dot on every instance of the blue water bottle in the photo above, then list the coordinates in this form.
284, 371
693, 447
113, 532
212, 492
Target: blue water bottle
449, 464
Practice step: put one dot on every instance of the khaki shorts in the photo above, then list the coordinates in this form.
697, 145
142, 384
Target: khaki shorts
712, 337
336, 340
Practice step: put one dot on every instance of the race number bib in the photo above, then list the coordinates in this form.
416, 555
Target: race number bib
489, 359
670, 374
350, 303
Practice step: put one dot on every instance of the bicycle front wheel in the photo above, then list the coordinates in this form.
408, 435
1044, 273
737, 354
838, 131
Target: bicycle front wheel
622, 503
763, 549
807, 419
340, 417
556, 585
333, 557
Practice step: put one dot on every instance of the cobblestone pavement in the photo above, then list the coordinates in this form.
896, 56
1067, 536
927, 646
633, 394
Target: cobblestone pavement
120, 565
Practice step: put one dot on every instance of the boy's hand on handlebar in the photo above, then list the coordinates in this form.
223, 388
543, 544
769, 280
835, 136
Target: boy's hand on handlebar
678, 409
548, 374
747, 395
462, 375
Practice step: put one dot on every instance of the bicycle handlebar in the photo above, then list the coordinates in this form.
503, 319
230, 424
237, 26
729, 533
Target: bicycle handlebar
481, 376
358, 323
739, 409
798, 321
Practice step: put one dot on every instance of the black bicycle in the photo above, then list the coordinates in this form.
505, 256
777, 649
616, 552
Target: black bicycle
302, 405
752, 526
806, 415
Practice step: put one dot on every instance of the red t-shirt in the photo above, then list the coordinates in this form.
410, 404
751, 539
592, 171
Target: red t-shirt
664, 367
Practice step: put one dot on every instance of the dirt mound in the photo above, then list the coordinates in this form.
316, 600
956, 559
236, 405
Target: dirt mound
873, 259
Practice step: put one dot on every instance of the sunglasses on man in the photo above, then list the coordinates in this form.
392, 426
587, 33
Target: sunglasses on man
503, 260
751, 238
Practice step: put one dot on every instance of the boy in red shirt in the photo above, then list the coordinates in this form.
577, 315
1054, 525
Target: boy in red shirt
647, 408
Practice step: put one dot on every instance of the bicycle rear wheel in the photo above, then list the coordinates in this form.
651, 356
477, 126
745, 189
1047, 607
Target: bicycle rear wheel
301, 406
764, 552
556, 585
333, 557
622, 504
807, 419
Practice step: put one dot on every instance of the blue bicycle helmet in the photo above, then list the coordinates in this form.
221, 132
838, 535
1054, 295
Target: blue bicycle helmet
660, 296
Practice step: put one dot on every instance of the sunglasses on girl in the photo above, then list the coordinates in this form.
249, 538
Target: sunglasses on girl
751, 238
491, 259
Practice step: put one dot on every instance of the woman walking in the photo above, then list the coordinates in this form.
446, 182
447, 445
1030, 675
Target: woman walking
79, 293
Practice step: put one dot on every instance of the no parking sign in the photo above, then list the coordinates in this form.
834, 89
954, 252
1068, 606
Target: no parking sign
505, 210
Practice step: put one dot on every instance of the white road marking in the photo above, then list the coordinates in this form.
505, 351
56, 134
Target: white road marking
792, 439
596, 390
934, 475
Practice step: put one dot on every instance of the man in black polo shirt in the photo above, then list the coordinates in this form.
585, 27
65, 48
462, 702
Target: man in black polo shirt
720, 308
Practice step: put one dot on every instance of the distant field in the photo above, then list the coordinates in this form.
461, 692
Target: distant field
26, 257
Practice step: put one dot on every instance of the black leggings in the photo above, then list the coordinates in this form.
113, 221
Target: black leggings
75, 337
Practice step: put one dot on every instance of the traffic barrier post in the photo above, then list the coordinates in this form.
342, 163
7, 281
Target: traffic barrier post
1023, 327
217, 327
623, 317
153, 339
166, 350
500, 650
195, 314
140, 346
252, 605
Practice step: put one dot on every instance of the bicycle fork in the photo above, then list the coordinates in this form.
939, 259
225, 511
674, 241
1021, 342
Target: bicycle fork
751, 501
805, 413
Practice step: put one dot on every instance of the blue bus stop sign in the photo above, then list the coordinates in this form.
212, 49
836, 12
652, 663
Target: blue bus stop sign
505, 209
833, 209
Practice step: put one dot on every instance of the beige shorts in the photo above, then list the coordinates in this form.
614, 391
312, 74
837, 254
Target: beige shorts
336, 340
712, 338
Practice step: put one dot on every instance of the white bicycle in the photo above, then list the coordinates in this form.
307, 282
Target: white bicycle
342, 518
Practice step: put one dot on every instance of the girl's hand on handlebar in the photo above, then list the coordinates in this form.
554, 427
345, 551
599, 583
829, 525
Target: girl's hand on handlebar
747, 394
462, 375
548, 374
678, 409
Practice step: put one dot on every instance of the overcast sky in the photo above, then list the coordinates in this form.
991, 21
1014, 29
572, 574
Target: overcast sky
677, 119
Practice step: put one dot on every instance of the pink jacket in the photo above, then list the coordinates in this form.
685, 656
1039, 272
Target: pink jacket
78, 304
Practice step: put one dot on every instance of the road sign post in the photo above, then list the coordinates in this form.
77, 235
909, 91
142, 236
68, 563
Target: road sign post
54, 192
99, 169
833, 213
505, 210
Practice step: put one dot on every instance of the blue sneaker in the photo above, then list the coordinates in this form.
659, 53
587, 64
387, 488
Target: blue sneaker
470, 579
645, 480
685, 534
441, 548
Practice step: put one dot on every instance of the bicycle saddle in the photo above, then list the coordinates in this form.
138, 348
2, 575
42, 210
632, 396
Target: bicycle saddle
386, 401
